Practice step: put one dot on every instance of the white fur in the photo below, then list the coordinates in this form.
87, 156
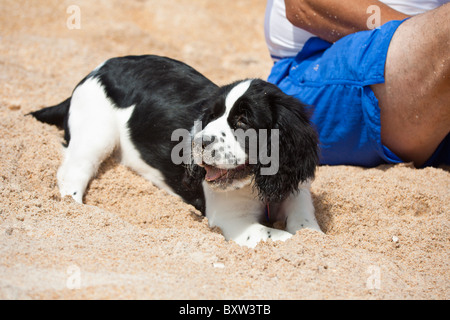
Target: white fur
235, 93
237, 213
224, 138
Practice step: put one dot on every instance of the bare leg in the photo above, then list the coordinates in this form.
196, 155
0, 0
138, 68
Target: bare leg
415, 99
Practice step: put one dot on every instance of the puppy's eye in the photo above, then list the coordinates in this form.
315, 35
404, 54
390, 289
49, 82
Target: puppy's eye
241, 123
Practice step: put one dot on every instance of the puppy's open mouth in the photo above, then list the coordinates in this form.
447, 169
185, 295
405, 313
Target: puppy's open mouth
214, 174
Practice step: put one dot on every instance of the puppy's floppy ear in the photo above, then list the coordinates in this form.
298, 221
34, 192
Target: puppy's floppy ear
297, 148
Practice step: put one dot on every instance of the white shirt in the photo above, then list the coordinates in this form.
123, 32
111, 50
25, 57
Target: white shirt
285, 40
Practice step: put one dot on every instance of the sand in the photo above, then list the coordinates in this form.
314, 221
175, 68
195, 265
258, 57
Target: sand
386, 228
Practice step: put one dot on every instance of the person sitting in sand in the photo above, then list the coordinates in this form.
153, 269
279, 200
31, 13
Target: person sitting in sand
375, 75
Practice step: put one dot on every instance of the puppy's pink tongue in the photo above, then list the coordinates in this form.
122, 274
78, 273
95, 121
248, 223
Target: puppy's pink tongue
213, 173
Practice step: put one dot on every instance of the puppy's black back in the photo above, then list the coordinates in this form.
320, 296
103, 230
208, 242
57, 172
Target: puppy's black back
150, 80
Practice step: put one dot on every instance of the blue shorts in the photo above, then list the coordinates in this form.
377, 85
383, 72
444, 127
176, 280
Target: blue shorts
334, 81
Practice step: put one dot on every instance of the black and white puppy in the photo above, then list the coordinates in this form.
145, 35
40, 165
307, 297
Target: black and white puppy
241, 154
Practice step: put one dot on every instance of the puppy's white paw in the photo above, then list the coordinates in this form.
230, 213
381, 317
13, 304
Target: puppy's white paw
70, 185
257, 232
78, 197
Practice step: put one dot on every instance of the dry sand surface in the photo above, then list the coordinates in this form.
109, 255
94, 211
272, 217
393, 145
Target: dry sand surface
386, 228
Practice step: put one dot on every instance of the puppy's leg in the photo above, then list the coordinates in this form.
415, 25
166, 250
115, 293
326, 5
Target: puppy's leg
237, 214
94, 135
299, 211
75, 173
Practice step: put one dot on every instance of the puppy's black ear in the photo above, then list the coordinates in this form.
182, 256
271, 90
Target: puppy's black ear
296, 149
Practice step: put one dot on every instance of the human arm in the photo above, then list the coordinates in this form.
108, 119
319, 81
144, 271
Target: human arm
334, 19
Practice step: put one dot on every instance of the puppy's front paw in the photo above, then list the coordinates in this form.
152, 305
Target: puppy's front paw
70, 186
256, 233
77, 196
